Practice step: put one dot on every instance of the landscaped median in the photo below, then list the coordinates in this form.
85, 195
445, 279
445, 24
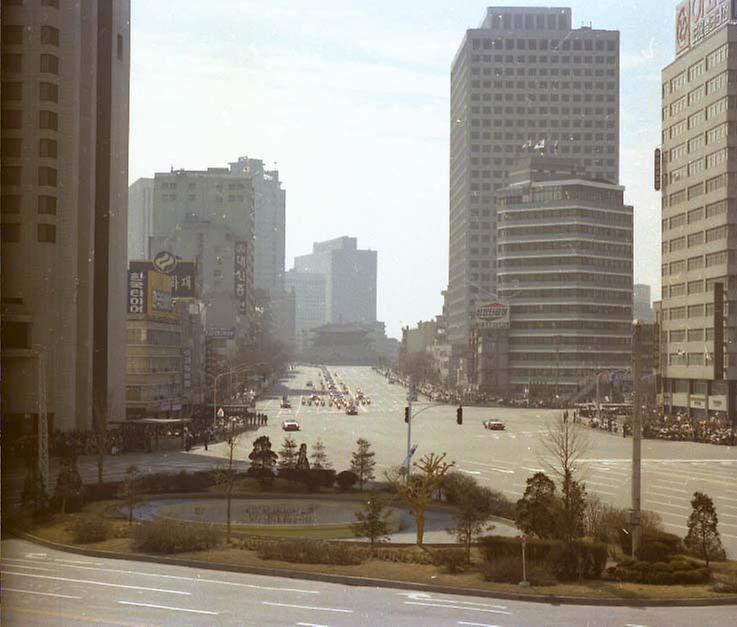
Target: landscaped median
102, 529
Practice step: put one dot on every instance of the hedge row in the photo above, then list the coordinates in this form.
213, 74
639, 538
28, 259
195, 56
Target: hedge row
313, 552
167, 536
580, 559
678, 571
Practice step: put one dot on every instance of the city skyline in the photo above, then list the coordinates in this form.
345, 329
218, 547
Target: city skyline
393, 122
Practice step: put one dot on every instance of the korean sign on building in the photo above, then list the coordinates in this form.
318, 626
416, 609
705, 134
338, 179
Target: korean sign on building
492, 316
149, 293
239, 275
697, 19
187, 368
182, 273
221, 333
137, 287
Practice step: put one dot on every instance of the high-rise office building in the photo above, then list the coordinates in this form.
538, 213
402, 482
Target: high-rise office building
350, 279
642, 304
65, 81
270, 224
140, 218
208, 216
698, 361
565, 269
308, 289
523, 81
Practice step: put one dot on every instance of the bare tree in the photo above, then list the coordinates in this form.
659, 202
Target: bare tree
227, 476
129, 489
566, 443
419, 490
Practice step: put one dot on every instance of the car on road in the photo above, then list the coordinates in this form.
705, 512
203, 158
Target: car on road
309, 384
352, 411
494, 425
290, 425
286, 405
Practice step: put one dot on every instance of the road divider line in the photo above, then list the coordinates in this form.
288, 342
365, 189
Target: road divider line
98, 583
41, 568
45, 594
168, 607
462, 622
309, 607
458, 607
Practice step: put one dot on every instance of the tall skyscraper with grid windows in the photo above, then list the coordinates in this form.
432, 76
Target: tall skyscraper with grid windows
523, 81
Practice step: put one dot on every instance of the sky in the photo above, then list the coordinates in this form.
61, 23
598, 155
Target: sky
349, 101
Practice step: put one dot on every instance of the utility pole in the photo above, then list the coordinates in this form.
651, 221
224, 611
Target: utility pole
557, 364
43, 423
636, 438
409, 427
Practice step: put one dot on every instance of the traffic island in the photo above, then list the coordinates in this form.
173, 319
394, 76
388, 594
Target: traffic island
393, 566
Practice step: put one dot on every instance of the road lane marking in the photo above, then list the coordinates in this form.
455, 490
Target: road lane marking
41, 568
662, 503
45, 594
470, 472
458, 607
312, 625
98, 583
462, 622
169, 607
197, 579
309, 607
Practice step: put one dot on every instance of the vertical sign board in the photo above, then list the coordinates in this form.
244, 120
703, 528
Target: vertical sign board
718, 359
239, 275
137, 291
187, 370
656, 169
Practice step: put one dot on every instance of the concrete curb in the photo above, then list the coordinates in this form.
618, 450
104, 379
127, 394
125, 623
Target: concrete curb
348, 580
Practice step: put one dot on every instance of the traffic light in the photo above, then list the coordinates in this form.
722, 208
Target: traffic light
406, 415
459, 415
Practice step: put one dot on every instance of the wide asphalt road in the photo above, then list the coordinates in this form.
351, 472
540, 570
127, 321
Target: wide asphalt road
672, 471
46, 587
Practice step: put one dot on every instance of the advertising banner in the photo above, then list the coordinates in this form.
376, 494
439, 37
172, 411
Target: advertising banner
182, 274
492, 316
239, 275
159, 299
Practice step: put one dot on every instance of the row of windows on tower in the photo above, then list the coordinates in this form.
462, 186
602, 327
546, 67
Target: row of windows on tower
16, 34
575, 44
11, 233
13, 92
526, 65
13, 63
13, 147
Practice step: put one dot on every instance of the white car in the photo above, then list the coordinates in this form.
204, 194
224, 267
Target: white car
290, 425
494, 425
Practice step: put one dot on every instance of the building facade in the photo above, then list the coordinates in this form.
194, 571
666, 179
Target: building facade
350, 279
524, 80
642, 307
270, 223
565, 269
308, 289
698, 361
140, 218
65, 83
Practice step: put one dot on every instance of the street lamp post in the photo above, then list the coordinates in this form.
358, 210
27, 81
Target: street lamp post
636, 439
